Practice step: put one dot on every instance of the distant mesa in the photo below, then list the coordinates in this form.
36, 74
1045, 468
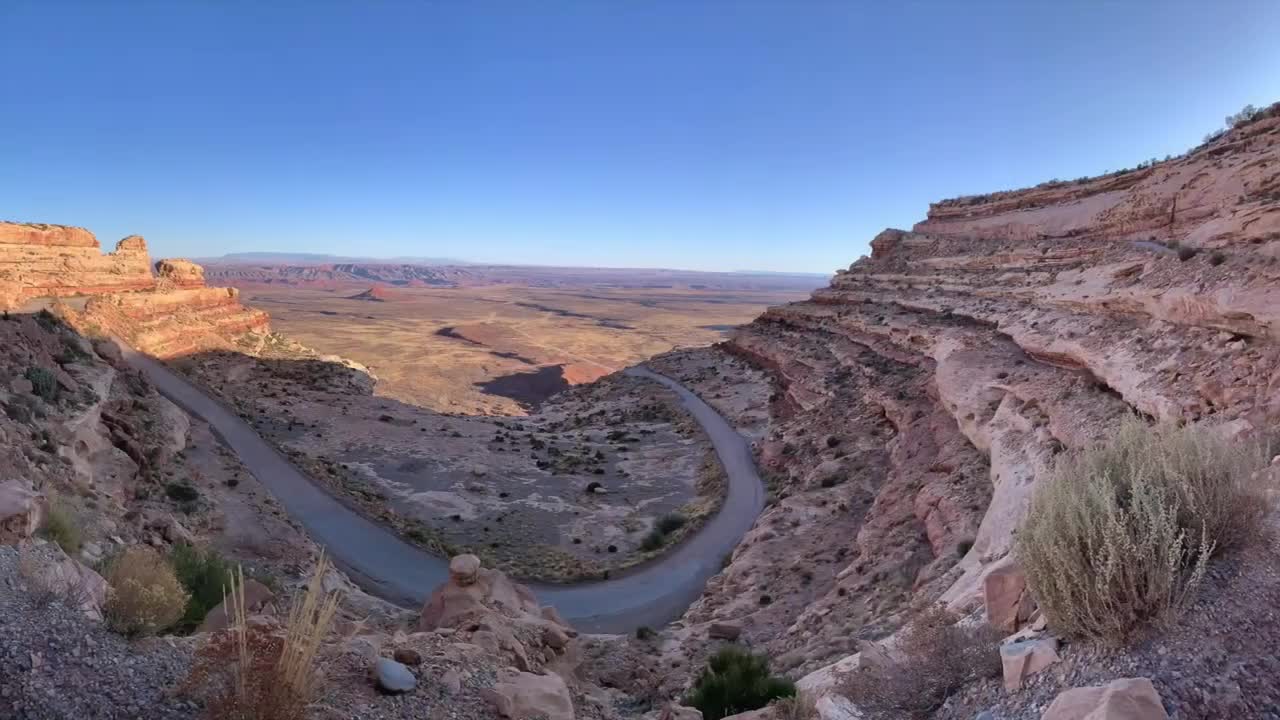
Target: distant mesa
375, 294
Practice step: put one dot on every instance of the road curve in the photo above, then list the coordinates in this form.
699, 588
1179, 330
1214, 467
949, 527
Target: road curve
388, 567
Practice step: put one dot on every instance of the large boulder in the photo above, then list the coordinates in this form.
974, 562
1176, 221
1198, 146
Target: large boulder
392, 677
256, 596
21, 511
525, 696
1124, 699
1005, 594
1023, 658
77, 585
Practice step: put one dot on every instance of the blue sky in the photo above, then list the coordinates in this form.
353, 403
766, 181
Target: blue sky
704, 135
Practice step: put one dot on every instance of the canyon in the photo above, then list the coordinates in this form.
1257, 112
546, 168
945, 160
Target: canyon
901, 417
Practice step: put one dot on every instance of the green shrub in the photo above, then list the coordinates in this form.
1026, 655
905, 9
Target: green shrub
671, 522
43, 383
145, 596
1120, 534
204, 575
736, 681
48, 321
653, 540
181, 492
933, 658
61, 527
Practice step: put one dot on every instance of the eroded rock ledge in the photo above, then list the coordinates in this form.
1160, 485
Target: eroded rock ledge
906, 412
168, 313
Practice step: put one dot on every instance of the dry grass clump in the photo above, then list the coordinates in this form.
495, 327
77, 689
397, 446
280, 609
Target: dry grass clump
801, 706
933, 658
1120, 534
258, 674
145, 596
61, 526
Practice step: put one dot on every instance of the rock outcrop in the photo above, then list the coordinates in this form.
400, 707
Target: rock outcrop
914, 404
1125, 699
179, 274
38, 260
177, 322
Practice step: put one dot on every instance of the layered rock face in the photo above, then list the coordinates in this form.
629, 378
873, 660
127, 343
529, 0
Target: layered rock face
38, 260
177, 322
912, 406
166, 314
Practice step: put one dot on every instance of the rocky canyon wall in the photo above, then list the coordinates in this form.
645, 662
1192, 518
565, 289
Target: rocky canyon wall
906, 412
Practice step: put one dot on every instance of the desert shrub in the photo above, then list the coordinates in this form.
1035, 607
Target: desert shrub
205, 575
736, 681
933, 658
145, 596
1120, 534
251, 673
671, 522
48, 321
181, 492
1217, 258
653, 540
1246, 114
43, 383
60, 526
665, 525
644, 632
1186, 253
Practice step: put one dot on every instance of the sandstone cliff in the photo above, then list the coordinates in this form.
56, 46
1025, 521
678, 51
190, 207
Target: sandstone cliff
38, 260
166, 314
906, 412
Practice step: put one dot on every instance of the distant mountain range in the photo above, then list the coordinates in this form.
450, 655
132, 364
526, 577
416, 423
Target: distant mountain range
288, 258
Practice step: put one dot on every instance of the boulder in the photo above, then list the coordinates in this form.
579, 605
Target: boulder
524, 696
676, 711
463, 569
472, 593
1023, 658
393, 678
724, 631
1124, 699
256, 595
1004, 592
21, 511
79, 586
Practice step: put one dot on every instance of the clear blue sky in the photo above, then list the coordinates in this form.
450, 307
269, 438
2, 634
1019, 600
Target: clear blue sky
706, 135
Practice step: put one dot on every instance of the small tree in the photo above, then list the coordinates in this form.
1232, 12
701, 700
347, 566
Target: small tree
736, 681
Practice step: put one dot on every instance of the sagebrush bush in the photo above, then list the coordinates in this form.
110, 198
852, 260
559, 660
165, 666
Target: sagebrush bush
145, 596
205, 575
933, 657
736, 681
43, 383
1119, 535
60, 526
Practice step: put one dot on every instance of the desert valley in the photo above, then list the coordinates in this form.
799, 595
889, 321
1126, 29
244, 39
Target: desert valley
1015, 463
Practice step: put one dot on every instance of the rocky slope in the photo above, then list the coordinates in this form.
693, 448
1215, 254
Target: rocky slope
907, 411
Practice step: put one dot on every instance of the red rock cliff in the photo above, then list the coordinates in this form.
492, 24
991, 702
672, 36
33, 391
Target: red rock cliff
38, 260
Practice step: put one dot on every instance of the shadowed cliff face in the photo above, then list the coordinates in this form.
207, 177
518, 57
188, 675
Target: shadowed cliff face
907, 411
